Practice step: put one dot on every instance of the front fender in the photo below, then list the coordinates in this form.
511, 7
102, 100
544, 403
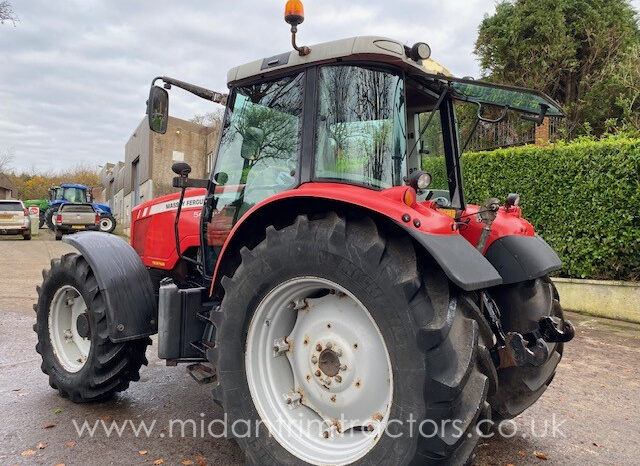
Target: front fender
132, 309
102, 208
520, 258
433, 230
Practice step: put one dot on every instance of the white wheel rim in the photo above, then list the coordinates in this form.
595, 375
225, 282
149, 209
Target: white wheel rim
69, 347
105, 224
329, 409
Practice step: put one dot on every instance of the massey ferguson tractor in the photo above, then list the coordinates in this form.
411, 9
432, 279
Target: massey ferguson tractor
350, 305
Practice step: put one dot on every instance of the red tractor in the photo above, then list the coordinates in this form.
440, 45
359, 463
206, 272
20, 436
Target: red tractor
349, 303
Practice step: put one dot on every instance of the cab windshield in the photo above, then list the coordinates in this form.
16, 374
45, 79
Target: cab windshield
361, 127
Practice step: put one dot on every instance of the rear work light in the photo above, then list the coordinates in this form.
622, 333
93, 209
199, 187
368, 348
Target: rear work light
59, 219
25, 212
97, 219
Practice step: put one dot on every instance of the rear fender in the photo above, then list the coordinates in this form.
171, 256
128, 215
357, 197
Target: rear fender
132, 309
433, 230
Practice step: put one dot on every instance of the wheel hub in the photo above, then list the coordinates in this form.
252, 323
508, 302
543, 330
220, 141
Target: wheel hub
336, 370
82, 325
329, 362
69, 330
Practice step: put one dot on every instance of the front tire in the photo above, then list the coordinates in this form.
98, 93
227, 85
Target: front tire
521, 307
428, 334
81, 361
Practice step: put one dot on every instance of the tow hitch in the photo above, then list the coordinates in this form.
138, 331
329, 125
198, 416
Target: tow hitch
530, 350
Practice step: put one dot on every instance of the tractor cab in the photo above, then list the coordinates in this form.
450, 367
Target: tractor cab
366, 111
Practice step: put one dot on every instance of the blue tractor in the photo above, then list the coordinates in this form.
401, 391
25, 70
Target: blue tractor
77, 194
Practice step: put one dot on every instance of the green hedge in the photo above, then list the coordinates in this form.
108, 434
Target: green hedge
582, 197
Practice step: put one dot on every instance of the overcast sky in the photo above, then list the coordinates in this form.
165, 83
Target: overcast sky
75, 74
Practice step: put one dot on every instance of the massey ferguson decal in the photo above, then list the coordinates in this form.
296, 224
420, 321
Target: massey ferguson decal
189, 202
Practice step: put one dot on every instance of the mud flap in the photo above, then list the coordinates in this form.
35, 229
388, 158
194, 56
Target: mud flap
460, 261
132, 310
522, 258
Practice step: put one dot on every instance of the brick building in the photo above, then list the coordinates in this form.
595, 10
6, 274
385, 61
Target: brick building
146, 172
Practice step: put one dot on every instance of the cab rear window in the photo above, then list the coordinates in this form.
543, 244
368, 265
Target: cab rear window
11, 207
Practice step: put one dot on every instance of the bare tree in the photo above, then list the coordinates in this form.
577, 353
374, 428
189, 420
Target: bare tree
6, 160
7, 13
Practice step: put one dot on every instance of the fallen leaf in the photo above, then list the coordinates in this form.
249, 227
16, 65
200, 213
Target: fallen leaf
28, 452
22, 394
142, 452
59, 464
522, 453
42, 446
596, 444
187, 462
106, 418
69, 444
58, 411
200, 460
16, 389
158, 461
49, 426
540, 455
510, 464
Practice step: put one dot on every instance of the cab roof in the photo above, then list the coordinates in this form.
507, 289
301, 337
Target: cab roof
384, 50
374, 48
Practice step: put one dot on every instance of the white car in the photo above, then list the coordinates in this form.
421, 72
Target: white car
14, 218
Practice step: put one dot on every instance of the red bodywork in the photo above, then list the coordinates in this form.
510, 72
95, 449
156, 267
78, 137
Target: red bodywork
152, 233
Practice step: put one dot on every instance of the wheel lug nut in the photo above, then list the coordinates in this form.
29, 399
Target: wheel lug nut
318, 373
343, 367
338, 378
329, 345
319, 347
338, 352
314, 360
327, 381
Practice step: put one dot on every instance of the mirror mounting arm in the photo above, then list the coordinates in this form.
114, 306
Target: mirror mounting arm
544, 108
216, 97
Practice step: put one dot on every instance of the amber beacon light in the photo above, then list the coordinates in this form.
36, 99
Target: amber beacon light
294, 15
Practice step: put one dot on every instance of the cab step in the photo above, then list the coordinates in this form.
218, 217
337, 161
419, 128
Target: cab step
202, 373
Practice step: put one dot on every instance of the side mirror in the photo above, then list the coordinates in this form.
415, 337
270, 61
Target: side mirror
158, 109
513, 199
251, 143
181, 169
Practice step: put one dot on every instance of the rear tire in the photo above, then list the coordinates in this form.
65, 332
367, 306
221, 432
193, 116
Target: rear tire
95, 368
58, 235
26, 236
430, 334
521, 307
48, 217
107, 223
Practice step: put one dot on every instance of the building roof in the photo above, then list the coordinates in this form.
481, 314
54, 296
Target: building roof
6, 183
354, 48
